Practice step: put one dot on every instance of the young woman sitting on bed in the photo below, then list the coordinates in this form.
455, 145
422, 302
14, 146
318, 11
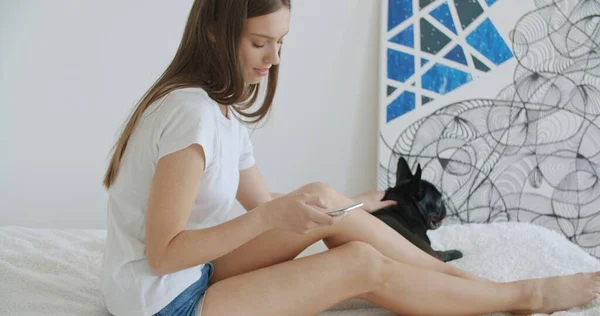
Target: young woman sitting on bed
182, 160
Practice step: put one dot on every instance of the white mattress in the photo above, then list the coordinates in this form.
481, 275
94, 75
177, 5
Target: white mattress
55, 272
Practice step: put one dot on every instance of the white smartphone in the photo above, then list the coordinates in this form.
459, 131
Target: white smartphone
344, 210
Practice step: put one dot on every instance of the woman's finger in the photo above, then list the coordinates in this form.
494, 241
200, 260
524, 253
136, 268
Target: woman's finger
319, 217
316, 201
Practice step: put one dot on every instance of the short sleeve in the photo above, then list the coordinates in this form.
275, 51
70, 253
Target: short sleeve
246, 150
186, 121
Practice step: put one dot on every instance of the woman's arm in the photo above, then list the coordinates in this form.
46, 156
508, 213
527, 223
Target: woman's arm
252, 190
169, 246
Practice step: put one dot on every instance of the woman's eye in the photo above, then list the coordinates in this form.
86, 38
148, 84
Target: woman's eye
258, 46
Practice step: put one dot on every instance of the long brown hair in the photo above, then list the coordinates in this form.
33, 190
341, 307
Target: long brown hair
207, 58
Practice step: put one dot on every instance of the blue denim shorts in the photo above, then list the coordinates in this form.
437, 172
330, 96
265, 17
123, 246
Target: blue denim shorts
189, 302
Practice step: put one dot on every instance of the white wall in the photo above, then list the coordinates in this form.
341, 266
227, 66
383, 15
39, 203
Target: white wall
70, 72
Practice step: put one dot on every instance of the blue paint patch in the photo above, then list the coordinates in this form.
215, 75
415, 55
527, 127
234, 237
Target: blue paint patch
400, 66
406, 37
440, 79
486, 40
457, 54
398, 12
442, 15
443, 79
405, 102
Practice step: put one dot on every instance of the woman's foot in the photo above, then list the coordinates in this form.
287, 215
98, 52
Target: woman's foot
561, 293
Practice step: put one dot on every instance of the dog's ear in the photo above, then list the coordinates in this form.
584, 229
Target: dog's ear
415, 181
417, 175
403, 173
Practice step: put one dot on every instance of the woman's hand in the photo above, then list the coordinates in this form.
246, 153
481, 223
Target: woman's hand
372, 201
299, 213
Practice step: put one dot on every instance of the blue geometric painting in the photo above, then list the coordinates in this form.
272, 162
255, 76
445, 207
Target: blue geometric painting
457, 34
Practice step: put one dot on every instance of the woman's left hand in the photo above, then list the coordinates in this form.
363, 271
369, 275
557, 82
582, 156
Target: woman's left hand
372, 201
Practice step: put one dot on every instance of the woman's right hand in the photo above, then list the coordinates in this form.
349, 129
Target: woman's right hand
299, 213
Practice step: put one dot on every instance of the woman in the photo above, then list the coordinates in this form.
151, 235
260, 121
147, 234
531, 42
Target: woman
182, 160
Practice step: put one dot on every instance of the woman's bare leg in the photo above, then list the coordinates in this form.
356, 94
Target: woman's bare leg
312, 284
362, 226
276, 246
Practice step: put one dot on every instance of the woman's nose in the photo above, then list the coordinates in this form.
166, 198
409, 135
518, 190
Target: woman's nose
273, 57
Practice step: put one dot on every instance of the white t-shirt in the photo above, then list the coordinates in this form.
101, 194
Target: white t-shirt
179, 119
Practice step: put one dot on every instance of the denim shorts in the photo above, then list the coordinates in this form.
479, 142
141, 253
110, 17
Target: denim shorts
189, 302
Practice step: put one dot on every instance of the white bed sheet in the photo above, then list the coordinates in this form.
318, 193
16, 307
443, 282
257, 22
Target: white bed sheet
55, 272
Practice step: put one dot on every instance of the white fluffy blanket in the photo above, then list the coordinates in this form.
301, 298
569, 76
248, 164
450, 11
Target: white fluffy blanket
50, 272
55, 272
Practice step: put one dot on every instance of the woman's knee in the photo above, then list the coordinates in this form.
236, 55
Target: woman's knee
330, 195
318, 188
369, 262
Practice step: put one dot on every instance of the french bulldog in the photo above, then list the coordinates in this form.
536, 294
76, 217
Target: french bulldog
419, 209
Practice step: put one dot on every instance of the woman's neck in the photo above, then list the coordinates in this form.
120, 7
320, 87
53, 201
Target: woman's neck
224, 110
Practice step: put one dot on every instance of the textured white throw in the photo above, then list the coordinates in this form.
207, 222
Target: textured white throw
55, 272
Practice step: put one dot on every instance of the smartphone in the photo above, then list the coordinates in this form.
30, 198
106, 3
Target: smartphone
344, 210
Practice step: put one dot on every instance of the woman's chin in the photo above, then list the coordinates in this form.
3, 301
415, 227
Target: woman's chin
254, 79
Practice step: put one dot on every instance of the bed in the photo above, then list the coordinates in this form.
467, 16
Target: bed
55, 272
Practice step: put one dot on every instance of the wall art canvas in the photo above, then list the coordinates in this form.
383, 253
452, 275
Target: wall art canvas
499, 102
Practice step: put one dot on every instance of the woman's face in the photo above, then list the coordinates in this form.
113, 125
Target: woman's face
261, 39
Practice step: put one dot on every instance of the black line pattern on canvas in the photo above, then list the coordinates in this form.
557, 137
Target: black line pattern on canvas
532, 154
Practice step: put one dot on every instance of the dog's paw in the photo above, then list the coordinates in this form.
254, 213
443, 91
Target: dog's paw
449, 255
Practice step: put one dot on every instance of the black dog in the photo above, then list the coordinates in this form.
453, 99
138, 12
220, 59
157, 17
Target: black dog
419, 209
